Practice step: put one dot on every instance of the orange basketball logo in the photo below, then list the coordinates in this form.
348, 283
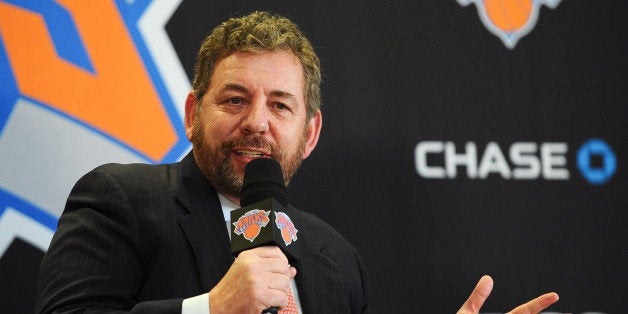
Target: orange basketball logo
509, 20
83, 83
288, 230
251, 223
107, 97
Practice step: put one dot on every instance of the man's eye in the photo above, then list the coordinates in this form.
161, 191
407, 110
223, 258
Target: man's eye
235, 100
281, 106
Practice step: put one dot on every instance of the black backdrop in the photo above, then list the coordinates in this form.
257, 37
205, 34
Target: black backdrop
402, 74
397, 73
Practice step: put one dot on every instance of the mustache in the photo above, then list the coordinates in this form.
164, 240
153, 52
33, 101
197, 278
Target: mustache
250, 141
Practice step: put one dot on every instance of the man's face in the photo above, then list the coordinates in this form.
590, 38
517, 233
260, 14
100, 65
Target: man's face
254, 108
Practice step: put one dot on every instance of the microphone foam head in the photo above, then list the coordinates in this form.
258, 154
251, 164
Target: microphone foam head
263, 179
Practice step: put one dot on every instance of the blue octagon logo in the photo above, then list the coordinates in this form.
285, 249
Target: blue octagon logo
601, 172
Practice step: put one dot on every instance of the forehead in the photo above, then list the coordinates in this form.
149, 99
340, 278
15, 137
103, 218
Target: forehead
270, 71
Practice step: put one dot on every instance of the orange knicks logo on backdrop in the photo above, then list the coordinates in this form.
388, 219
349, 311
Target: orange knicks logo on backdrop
251, 223
83, 60
510, 20
82, 83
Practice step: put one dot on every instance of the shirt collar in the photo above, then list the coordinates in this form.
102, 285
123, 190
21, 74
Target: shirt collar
227, 206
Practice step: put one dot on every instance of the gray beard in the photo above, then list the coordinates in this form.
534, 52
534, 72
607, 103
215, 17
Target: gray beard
217, 169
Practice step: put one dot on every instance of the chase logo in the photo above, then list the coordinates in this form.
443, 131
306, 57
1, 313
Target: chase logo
83, 83
595, 160
509, 20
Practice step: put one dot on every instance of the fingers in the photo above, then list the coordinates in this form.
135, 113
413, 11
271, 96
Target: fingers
259, 278
483, 290
270, 273
274, 298
536, 305
268, 251
478, 296
268, 265
270, 258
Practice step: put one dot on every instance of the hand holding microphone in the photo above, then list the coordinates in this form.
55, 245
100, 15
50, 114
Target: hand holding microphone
258, 279
262, 239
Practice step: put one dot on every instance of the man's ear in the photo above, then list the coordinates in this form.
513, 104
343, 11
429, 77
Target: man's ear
313, 133
190, 114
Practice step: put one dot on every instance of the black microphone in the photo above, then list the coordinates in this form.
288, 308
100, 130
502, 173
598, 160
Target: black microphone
263, 218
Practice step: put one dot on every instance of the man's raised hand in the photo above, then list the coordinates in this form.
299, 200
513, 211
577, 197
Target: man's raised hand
483, 290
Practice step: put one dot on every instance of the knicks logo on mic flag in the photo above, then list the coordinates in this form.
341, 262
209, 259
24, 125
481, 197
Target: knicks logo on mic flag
83, 83
509, 20
251, 223
288, 230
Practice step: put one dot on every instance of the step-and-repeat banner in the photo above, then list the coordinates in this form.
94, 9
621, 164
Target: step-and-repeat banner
460, 138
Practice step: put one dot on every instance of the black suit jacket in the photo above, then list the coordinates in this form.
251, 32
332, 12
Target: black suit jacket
142, 238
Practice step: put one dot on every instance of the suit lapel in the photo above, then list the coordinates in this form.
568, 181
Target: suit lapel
319, 279
204, 225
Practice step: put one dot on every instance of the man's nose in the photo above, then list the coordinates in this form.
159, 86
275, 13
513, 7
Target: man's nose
257, 115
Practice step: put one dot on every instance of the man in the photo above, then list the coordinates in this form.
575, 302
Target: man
155, 239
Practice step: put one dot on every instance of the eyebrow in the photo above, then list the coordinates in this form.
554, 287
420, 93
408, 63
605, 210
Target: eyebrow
282, 94
277, 93
234, 87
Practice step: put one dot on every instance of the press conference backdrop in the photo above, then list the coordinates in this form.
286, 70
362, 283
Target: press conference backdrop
460, 138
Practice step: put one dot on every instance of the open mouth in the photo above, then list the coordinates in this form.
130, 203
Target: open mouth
250, 153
